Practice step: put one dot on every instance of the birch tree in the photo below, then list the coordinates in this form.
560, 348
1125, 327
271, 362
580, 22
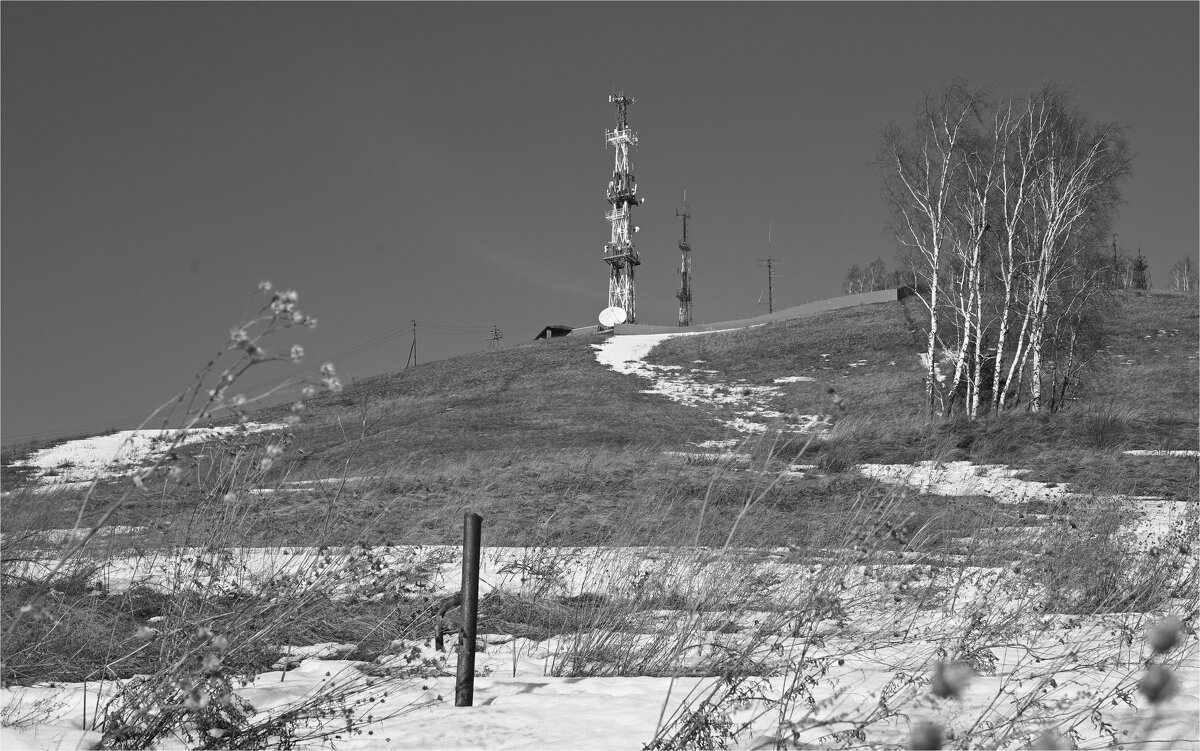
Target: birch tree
1017, 130
1000, 206
922, 166
1183, 276
1075, 190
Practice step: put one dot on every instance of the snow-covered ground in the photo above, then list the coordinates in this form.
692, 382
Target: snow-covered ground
82, 461
529, 710
964, 479
1065, 665
883, 647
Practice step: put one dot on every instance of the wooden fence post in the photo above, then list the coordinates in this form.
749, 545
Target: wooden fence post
464, 684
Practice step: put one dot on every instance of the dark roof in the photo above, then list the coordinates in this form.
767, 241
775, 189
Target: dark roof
553, 330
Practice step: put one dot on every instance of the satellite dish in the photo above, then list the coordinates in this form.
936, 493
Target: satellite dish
610, 317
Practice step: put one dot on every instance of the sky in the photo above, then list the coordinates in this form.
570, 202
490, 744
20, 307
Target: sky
445, 162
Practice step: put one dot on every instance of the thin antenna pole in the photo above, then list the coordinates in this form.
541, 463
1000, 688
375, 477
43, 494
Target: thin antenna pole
412, 351
769, 263
770, 286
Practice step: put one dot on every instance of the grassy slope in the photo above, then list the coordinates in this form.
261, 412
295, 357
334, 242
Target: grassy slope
556, 448
553, 448
541, 397
828, 348
1143, 393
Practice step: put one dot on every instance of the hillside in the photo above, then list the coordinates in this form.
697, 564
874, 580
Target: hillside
752, 508
558, 447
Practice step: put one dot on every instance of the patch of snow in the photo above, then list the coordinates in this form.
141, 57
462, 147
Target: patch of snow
1155, 521
47, 488
326, 650
305, 484
1154, 452
59, 536
965, 479
117, 454
749, 403
709, 456
794, 379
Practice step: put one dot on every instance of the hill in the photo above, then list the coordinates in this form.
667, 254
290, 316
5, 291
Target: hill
739, 506
556, 447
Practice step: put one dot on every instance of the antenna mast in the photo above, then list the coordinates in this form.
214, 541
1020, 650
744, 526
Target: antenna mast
1141, 272
619, 254
685, 268
412, 351
768, 263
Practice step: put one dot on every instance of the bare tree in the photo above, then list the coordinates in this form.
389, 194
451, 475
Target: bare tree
1076, 189
1183, 275
1000, 206
923, 170
1017, 130
852, 284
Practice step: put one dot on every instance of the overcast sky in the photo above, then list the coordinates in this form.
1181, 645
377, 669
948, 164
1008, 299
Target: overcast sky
446, 162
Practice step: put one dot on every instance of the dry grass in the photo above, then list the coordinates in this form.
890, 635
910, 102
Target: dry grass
397, 459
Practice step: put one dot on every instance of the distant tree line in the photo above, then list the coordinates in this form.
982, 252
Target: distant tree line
1002, 208
874, 276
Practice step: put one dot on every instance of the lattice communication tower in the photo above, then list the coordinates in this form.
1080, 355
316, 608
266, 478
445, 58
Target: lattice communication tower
619, 254
685, 268
1141, 272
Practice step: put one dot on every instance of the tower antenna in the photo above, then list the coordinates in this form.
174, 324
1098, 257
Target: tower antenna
769, 262
685, 267
619, 254
412, 351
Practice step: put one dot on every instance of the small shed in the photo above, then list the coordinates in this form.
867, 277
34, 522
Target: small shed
554, 331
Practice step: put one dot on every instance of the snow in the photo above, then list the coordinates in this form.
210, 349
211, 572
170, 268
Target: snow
1159, 452
749, 403
81, 461
965, 479
59, 536
531, 710
1155, 521
519, 704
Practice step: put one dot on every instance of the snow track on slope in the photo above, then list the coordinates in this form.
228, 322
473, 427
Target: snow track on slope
750, 404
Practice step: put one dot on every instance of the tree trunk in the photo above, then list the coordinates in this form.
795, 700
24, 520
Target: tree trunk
931, 350
1017, 369
977, 376
1035, 349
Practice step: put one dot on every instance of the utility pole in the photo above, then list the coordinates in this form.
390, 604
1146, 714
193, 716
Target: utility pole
412, 351
496, 339
768, 263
